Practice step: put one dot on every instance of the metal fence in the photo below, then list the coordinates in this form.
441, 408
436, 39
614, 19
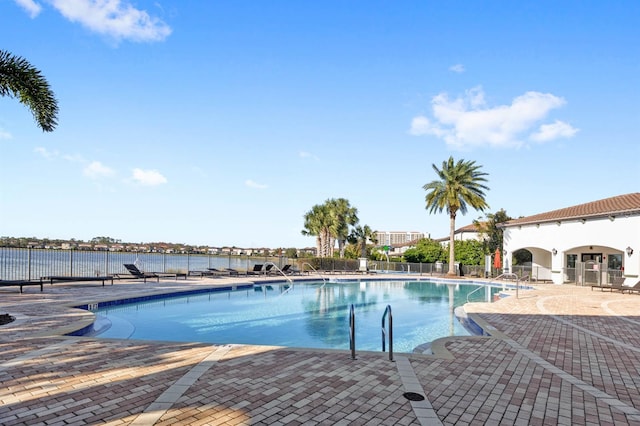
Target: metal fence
29, 264
334, 265
590, 273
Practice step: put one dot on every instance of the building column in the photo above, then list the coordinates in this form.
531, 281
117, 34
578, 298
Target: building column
557, 266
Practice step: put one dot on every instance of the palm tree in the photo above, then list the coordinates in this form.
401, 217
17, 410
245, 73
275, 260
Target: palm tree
330, 222
20, 79
490, 231
360, 235
459, 184
318, 222
343, 216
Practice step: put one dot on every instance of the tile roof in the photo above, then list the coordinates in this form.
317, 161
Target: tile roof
470, 228
613, 206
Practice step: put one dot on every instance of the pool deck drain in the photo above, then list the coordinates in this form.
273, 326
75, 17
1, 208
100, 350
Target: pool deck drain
557, 355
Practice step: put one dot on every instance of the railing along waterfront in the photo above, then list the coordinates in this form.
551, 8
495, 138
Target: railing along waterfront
25, 264
30, 263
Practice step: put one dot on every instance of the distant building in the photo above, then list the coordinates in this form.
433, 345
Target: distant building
398, 241
307, 251
394, 238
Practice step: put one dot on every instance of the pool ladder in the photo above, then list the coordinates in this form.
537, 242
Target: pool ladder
384, 331
352, 332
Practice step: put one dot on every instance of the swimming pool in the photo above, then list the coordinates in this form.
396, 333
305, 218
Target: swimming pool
306, 314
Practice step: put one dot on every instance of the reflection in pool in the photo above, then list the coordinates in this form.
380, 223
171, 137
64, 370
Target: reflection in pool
306, 314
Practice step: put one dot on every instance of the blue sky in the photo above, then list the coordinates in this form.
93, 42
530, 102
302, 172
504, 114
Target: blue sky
224, 122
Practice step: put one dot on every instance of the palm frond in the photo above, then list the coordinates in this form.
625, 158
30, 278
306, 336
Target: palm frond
20, 79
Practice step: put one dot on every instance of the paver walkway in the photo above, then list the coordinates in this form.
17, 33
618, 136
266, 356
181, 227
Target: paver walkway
556, 355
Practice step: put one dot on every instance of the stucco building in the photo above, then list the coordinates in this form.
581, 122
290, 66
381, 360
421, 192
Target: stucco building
465, 233
584, 244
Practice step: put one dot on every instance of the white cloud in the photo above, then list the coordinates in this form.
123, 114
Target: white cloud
559, 129
467, 121
30, 6
256, 185
45, 152
148, 177
4, 134
97, 170
73, 158
457, 68
117, 19
421, 125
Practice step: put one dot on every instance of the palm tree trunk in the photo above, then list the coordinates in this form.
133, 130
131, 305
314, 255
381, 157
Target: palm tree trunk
326, 241
452, 251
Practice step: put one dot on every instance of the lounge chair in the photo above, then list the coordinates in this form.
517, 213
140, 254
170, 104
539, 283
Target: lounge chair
67, 279
616, 284
635, 287
286, 269
257, 270
217, 272
20, 283
137, 273
207, 273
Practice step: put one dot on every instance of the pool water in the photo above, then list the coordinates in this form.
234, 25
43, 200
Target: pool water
310, 315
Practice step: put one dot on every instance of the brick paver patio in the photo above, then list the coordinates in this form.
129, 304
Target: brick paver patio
556, 355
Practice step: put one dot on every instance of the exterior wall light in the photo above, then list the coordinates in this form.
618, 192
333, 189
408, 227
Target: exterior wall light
554, 251
583, 220
629, 251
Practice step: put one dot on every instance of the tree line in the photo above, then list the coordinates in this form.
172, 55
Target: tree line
336, 221
460, 185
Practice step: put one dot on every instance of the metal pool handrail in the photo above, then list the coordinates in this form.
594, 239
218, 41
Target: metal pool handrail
477, 289
512, 276
324, 281
280, 270
352, 332
384, 332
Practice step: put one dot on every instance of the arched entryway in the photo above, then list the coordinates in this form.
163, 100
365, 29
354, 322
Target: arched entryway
593, 265
532, 261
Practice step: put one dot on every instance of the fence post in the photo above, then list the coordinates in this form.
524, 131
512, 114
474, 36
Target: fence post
70, 263
29, 263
